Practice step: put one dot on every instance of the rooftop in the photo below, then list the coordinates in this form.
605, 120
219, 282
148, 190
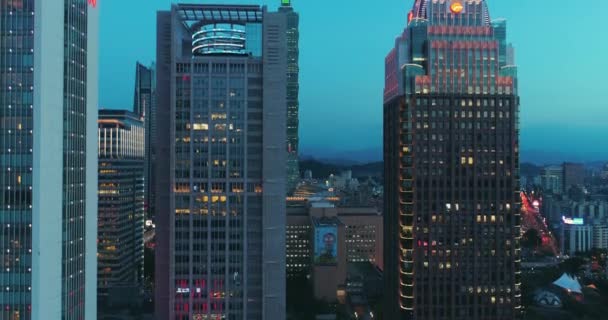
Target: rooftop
202, 13
326, 221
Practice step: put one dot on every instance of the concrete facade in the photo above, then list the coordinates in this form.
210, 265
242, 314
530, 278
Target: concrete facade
221, 182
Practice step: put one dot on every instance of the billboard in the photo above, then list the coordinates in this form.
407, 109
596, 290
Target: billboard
326, 245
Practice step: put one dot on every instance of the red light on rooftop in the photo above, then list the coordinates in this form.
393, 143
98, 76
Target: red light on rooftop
456, 7
410, 16
93, 3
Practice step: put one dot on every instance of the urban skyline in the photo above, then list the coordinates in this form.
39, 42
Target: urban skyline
535, 27
237, 173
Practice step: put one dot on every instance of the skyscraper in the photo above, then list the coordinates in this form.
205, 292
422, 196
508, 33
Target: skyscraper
451, 151
121, 152
144, 90
48, 160
145, 107
220, 183
293, 90
574, 175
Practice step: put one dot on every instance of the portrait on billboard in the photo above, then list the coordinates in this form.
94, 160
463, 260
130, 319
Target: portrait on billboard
326, 245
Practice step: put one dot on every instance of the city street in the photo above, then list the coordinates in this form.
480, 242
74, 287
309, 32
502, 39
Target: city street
532, 219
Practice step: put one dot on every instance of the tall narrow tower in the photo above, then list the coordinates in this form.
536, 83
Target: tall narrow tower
451, 152
48, 166
144, 106
293, 91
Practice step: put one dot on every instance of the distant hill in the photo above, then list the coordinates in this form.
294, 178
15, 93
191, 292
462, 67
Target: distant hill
374, 169
321, 169
529, 169
366, 163
346, 158
538, 157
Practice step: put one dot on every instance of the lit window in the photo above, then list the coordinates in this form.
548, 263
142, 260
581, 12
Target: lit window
200, 126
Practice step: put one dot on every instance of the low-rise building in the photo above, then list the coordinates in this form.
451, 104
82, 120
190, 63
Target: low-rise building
323, 239
551, 179
575, 236
600, 236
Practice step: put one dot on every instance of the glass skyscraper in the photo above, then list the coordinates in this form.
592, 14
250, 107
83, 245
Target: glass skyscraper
451, 152
144, 106
48, 160
293, 91
121, 149
220, 169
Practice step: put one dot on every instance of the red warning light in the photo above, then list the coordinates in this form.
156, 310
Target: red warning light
456, 7
93, 3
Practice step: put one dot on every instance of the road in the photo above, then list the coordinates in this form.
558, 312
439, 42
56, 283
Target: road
532, 219
149, 235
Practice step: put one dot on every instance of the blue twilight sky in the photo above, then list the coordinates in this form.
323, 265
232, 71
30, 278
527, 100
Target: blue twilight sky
560, 50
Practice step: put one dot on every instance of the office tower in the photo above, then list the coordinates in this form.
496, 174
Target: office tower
48, 168
293, 89
552, 179
121, 151
144, 90
145, 107
575, 236
604, 173
574, 175
220, 183
451, 152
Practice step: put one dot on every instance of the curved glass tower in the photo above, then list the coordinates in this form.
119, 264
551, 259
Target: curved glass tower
451, 151
219, 38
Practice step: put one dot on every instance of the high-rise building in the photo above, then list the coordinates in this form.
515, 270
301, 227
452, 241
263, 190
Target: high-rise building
221, 178
451, 153
293, 90
144, 90
552, 179
48, 159
145, 107
604, 173
574, 175
120, 248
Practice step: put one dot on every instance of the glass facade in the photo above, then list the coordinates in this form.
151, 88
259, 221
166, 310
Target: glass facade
227, 38
16, 158
452, 166
293, 92
120, 249
74, 158
144, 106
17, 93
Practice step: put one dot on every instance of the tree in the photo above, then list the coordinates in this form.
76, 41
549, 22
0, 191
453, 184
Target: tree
573, 266
531, 239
